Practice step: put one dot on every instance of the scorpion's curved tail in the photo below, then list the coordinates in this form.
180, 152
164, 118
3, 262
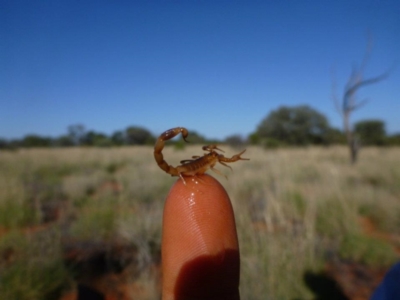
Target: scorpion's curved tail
159, 146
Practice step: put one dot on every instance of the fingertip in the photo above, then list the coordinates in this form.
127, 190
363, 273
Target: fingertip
200, 252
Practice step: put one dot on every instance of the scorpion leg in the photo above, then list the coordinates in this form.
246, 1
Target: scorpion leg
183, 179
226, 165
218, 172
210, 148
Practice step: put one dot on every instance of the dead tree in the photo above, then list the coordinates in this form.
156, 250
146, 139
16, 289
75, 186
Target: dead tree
350, 103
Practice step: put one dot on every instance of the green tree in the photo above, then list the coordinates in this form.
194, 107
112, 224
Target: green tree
394, 139
299, 125
193, 138
254, 138
336, 136
196, 138
33, 140
118, 138
64, 141
136, 135
3, 143
98, 139
235, 140
77, 133
371, 132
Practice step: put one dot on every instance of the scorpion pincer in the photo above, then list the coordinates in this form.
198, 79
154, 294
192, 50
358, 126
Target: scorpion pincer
198, 164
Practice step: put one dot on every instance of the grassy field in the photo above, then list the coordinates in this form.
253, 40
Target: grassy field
296, 210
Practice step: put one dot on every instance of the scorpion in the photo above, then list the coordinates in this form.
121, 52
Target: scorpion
198, 164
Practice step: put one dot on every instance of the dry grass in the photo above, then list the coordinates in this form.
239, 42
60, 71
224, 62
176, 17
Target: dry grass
292, 206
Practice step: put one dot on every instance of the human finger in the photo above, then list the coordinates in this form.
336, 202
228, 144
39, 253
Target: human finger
200, 251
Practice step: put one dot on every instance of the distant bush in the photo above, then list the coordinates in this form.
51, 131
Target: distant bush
393, 140
299, 125
371, 132
235, 140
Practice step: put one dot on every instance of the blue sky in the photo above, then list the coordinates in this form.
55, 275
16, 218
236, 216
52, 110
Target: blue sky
218, 67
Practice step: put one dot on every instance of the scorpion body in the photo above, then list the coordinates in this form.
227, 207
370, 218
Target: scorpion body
198, 164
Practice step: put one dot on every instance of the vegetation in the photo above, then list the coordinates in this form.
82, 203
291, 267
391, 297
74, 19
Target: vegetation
371, 132
32, 266
297, 126
283, 127
295, 210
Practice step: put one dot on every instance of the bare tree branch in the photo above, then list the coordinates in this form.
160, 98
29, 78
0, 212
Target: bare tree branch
334, 96
367, 54
353, 89
349, 104
358, 105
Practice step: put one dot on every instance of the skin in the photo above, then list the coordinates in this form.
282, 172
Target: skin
200, 251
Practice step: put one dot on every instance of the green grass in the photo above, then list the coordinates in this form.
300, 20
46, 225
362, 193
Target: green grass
367, 250
97, 224
34, 268
292, 207
30, 280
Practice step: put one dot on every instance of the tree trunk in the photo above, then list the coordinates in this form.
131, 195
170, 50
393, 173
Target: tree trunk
354, 147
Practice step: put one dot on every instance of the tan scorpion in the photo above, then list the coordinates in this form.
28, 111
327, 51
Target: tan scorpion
191, 167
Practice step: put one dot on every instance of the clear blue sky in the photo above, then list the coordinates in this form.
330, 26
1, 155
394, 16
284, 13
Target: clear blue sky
218, 67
